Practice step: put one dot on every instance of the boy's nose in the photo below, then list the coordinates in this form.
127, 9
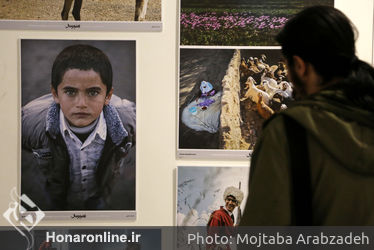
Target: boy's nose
81, 101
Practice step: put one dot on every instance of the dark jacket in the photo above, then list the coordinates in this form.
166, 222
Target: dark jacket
340, 142
45, 159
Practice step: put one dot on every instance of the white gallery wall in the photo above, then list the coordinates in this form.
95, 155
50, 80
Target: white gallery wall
156, 110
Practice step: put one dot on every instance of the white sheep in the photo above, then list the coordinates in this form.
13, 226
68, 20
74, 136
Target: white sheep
286, 87
271, 80
253, 92
269, 89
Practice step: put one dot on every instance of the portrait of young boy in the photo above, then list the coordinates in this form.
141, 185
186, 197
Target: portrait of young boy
78, 141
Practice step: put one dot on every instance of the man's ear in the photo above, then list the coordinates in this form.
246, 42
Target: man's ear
299, 66
108, 96
54, 94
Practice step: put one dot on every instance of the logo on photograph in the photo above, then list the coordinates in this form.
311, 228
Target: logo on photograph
29, 218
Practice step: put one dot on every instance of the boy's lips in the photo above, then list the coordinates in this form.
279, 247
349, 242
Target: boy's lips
81, 114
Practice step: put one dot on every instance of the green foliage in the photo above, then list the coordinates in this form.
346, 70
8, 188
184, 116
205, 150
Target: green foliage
234, 36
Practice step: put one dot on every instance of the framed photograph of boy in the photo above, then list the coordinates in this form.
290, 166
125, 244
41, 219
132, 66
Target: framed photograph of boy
78, 127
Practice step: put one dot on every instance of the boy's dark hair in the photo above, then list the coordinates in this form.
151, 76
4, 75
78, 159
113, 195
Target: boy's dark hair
325, 37
82, 57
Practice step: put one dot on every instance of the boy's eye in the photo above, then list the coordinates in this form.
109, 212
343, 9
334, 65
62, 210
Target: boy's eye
70, 92
93, 92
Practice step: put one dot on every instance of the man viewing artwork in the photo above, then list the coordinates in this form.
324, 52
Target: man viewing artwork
314, 162
78, 142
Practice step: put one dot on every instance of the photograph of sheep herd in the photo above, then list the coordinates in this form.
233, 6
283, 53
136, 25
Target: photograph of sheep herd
237, 22
226, 94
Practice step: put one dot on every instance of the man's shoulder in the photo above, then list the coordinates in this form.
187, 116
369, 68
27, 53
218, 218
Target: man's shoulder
220, 211
216, 215
296, 112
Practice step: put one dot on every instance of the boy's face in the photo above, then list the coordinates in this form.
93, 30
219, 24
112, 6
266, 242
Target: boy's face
82, 96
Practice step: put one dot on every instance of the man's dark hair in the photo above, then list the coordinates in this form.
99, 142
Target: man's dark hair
324, 37
82, 57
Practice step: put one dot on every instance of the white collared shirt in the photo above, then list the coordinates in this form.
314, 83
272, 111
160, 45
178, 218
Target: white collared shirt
84, 160
230, 213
